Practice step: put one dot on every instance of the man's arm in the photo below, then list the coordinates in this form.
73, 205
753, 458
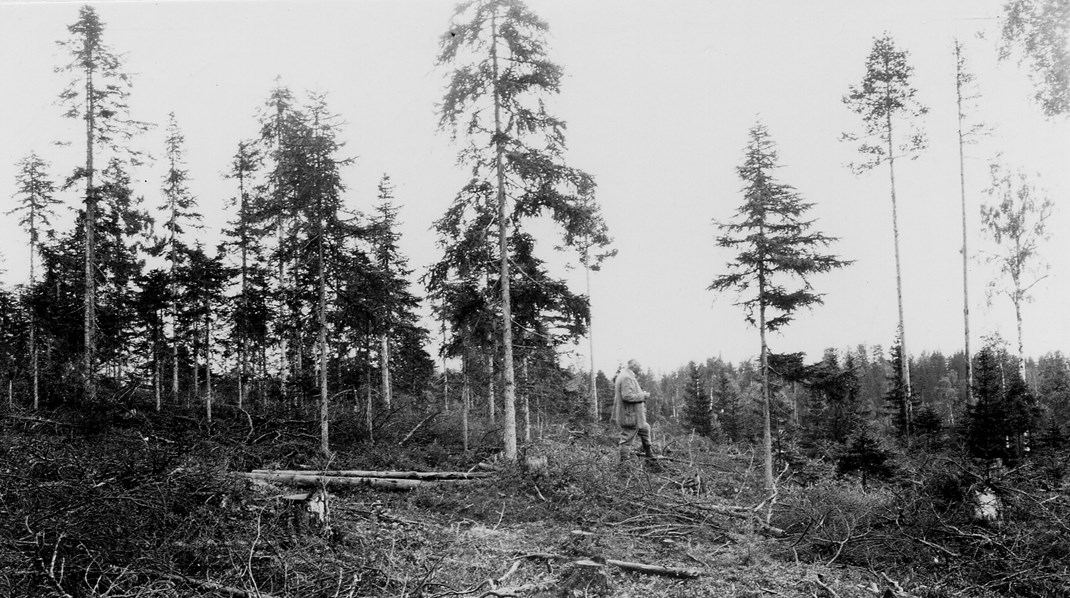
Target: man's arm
630, 391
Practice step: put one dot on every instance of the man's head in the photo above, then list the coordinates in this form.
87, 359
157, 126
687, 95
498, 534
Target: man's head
633, 365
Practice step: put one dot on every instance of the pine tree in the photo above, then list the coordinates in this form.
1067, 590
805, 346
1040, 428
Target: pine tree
965, 94
98, 96
35, 194
495, 95
883, 99
775, 246
592, 241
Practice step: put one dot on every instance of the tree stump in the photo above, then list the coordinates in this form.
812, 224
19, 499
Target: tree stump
309, 512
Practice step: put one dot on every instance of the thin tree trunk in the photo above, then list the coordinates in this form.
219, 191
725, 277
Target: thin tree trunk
243, 340
208, 360
1019, 296
157, 395
33, 338
465, 399
89, 357
445, 371
384, 365
905, 361
965, 254
491, 390
369, 399
195, 392
525, 404
324, 399
767, 427
508, 381
174, 326
592, 410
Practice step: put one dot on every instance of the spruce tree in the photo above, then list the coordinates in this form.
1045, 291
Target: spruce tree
97, 95
36, 200
698, 404
180, 214
496, 96
776, 247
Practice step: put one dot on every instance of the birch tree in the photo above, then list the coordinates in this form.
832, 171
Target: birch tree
1017, 223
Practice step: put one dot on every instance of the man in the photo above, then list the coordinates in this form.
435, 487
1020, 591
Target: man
629, 410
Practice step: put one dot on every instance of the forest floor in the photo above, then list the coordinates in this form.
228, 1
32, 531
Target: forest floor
127, 503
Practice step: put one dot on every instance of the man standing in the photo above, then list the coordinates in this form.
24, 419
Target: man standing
629, 410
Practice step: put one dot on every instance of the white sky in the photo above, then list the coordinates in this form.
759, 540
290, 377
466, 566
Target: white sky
659, 96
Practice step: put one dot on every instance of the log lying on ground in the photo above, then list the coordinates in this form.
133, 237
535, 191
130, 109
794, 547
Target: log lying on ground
347, 481
626, 565
404, 475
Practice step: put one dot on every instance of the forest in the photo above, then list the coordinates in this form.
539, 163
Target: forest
163, 391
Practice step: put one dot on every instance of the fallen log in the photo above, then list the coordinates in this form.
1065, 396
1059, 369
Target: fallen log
405, 475
626, 565
347, 481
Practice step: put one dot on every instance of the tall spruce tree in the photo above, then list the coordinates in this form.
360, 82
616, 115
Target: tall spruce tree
776, 247
885, 101
250, 313
35, 194
179, 209
496, 95
97, 95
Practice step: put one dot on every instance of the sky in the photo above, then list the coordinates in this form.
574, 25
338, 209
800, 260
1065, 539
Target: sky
658, 95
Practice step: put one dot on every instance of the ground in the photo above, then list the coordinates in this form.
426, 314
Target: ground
129, 503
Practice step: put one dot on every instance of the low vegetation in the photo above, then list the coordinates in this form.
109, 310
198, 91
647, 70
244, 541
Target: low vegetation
124, 502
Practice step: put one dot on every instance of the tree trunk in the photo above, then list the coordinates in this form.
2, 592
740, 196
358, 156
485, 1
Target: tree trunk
368, 380
90, 300
384, 365
465, 400
904, 365
491, 390
525, 404
195, 391
508, 381
965, 254
767, 427
592, 408
208, 360
322, 309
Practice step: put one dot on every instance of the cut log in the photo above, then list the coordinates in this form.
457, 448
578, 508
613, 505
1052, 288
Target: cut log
404, 475
626, 565
320, 480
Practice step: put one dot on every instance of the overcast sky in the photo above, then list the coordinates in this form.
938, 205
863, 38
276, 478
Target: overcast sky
659, 96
